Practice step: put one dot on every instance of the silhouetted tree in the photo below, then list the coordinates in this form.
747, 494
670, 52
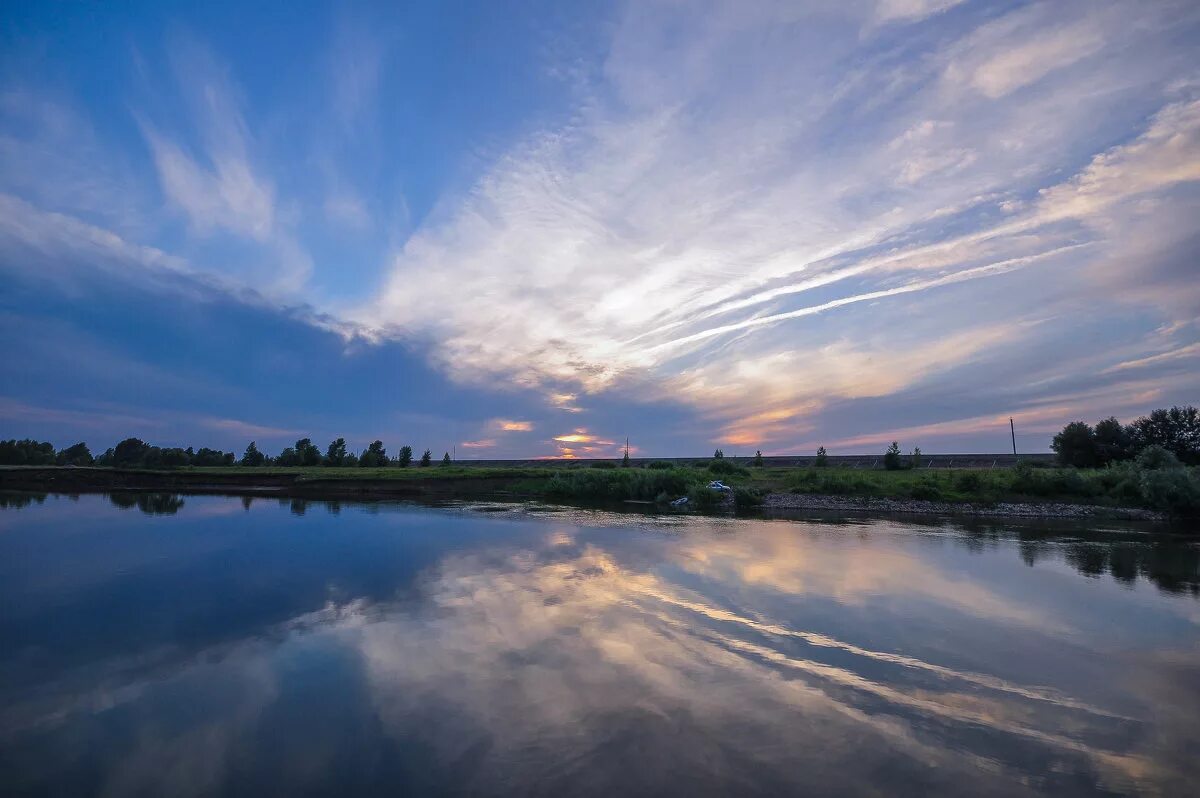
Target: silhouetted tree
758, 459
446, 459
130, 452
335, 455
1113, 442
253, 457
891, 458
375, 456
404, 459
288, 458
77, 455
915, 458
174, 457
26, 452
351, 460
718, 454
1076, 445
427, 459
1177, 430
209, 458
822, 458
308, 453
625, 455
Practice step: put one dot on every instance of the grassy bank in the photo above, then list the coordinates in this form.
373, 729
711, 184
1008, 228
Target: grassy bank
1174, 489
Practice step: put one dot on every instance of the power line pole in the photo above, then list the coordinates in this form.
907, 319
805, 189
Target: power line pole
1013, 430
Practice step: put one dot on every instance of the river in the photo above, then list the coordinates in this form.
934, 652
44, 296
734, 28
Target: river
212, 645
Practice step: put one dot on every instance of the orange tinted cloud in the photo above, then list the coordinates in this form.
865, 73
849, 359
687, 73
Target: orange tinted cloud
506, 425
487, 443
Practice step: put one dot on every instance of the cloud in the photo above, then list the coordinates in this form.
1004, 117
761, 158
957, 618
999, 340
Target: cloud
222, 189
506, 425
247, 429
739, 214
486, 443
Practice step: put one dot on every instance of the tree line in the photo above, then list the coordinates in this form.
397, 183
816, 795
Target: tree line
1176, 430
136, 453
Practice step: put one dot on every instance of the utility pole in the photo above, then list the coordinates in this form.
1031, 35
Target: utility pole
1013, 430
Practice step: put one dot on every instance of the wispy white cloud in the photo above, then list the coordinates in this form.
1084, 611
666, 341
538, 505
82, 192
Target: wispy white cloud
689, 219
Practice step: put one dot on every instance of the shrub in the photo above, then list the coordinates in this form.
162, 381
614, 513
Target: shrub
968, 482
602, 464
1171, 489
705, 500
726, 468
616, 484
926, 490
660, 465
822, 458
747, 498
1156, 457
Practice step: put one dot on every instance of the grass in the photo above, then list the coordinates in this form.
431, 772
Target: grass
1127, 485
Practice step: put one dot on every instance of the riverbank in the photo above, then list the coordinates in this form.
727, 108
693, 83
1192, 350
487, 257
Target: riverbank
1054, 510
1017, 493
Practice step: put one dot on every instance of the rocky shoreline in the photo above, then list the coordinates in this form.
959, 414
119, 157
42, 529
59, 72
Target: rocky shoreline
805, 501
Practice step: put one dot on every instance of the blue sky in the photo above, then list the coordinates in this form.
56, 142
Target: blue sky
536, 229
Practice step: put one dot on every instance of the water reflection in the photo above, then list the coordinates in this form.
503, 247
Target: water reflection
410, 651
148, 503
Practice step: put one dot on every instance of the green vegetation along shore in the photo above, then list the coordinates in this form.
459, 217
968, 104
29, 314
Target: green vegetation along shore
1156, 482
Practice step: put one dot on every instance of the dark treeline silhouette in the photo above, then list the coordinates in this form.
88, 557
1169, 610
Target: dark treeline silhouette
136, 453
1176, 431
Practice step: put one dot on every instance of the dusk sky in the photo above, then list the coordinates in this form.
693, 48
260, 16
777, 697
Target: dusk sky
537, 229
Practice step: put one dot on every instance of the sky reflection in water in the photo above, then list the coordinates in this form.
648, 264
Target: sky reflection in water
209, 645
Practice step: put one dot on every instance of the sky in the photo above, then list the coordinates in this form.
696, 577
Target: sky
542, 229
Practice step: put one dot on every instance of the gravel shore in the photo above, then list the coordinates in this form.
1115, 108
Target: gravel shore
804, 501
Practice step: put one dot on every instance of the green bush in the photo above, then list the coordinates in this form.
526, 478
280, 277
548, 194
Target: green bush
968, 482
747, 498
705, 500
722, 467
660, 465
602, 464
926, 490
1171, 489
1156, 457
616, 484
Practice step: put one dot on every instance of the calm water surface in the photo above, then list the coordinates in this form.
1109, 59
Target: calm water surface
218, 646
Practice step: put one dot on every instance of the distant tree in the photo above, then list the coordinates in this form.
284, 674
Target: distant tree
404, 459
1076, 445
351, 460
175, 457
209, 458
308, 453
822, 458
253, 457
427, 459
288, 458
758, 459
77, 455
1177, 430
335, 455
375, 456
27, 452
718, 454
1113, 442
130, 452
891, 458
446, 459
916, 457
625, 455
107, 459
